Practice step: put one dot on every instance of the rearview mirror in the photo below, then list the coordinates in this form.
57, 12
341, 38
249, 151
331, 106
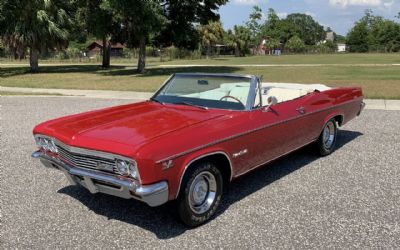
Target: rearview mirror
271, 101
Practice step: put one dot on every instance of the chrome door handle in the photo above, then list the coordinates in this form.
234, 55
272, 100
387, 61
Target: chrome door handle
301, 110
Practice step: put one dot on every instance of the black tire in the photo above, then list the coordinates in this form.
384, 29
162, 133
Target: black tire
197, 176
326, 144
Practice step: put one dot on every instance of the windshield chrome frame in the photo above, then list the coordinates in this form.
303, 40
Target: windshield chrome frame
254, 82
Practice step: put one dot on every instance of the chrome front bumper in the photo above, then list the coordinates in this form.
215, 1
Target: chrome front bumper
98, 182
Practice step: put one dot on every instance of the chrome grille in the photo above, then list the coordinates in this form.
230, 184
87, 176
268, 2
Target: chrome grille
87, 161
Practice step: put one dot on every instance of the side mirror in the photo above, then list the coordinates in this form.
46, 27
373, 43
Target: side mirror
272, 100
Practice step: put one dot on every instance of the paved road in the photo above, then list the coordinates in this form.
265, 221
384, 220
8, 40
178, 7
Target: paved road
350, 199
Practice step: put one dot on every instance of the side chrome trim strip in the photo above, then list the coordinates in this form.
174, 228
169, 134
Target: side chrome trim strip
249, 132
198, 158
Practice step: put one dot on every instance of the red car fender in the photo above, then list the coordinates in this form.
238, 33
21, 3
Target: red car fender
184, 162
331, 115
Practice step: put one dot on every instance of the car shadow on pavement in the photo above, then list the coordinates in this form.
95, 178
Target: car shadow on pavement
159, 220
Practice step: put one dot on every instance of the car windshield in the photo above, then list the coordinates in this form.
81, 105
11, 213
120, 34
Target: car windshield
206, 91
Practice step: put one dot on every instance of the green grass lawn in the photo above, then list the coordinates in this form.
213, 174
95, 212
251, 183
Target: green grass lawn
297, 59
382, 81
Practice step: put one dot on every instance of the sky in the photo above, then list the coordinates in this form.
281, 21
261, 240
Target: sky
340, 15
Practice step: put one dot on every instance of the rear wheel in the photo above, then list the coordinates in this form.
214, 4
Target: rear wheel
327, 140
200, 194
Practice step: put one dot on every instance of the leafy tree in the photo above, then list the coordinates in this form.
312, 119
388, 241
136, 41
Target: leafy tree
253, 24
306, 28
272, 26
102, 22
385, 36
357, 38
141, 19
272, 43
301, 25
210, 34
331, 45
295, 44
340, 39
79, 31
272, 19
181, 30
35, 24
374, 33
240, 39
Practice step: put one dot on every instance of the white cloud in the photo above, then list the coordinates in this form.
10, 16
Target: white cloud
388, 4
312, 14
282, 15
248, 2
346, 3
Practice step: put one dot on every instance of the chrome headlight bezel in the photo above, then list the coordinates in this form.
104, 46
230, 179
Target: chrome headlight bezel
127, 167
46, 143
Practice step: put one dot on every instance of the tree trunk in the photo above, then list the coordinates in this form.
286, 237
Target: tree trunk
106, 53
237, 51
142, 55
14, 53
34, 59
208, 51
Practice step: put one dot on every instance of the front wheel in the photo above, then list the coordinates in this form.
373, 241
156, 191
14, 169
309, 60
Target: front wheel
327, 140
200, 194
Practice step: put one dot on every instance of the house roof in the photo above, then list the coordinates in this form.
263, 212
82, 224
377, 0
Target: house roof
99, 43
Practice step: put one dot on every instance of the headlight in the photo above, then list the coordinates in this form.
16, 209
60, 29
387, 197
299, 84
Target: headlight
128, 168
53, 147
46, 144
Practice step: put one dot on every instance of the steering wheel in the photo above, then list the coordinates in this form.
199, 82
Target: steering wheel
234, 98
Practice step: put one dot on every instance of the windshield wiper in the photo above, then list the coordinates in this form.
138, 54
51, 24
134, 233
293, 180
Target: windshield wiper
191, 104
155, 100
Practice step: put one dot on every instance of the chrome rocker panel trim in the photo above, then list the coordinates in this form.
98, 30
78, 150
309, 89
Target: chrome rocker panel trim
153, 195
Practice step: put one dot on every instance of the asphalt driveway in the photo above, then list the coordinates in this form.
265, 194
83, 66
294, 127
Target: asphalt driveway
350, 199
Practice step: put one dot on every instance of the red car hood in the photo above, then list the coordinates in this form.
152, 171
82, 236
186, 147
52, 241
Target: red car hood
124, 127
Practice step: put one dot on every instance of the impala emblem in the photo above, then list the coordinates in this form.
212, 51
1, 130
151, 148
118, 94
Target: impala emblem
168, 164
240, 153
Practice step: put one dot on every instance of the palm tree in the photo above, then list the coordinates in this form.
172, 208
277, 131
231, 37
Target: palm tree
210, 34
35, 24
240, 39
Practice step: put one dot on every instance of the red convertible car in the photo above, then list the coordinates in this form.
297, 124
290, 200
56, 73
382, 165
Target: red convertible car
193, 137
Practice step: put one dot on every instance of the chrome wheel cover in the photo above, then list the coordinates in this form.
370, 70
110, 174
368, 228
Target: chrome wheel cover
202, 192
328, 136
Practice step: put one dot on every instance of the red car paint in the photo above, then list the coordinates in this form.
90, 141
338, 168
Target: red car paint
153, 134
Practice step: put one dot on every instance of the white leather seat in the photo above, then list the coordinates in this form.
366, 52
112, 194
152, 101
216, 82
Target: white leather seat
289, 91
283, 94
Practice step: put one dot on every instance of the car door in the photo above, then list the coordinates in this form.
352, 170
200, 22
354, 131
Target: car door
277, 131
